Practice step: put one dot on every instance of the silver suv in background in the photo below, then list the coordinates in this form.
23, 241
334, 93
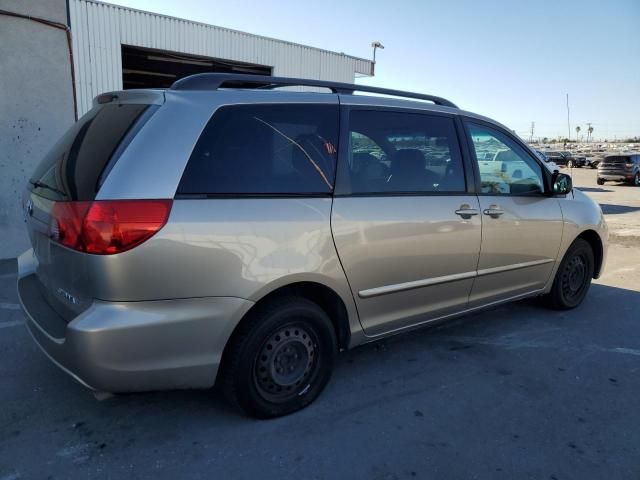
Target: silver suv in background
223, 232
624, 167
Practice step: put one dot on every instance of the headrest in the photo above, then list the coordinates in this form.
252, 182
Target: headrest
506, 156
408, 160
362, 159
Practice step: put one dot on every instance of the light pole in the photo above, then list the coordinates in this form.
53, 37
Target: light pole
375, 46
568, 122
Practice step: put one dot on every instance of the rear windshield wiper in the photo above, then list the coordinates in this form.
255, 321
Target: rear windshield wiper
39, 184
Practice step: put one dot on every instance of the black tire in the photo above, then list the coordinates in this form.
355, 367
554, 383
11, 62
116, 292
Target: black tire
600, 181
636, 180
573, 277
281, 358
570, 164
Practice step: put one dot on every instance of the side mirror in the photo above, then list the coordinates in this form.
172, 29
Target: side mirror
562, 183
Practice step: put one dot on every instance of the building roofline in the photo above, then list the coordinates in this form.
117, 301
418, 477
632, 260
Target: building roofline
194, 22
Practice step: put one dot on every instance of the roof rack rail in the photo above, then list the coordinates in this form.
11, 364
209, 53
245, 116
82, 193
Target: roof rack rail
213, 81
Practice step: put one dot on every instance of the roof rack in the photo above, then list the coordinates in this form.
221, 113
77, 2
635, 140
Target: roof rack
213, 81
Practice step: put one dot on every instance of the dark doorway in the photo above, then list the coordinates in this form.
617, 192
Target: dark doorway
149, 68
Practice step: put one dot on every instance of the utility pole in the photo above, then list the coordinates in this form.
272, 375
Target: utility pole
533, 126
568, 122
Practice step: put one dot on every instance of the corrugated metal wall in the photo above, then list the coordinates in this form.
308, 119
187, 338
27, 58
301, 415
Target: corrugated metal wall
99, 30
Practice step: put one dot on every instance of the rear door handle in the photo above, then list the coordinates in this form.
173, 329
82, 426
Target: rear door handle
466, 212
493, 211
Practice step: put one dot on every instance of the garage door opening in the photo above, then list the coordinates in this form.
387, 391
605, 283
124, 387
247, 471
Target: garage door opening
149, 68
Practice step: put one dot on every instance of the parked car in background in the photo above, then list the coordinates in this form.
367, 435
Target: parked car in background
620, 168
552, 166
541, 155
556, 157
574, 159
250, 245
593, 161
566, 158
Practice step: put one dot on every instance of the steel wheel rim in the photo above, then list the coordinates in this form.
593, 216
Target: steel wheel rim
286, 363
575, 277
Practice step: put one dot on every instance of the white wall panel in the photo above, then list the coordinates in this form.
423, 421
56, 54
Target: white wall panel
99, 29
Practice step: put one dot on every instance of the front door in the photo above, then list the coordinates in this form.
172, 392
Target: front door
406, 230
521, 225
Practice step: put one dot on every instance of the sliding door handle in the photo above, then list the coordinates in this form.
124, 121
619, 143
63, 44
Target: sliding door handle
493, 211
466, 212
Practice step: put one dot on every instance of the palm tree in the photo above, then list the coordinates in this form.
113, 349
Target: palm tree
589, 131
578, 133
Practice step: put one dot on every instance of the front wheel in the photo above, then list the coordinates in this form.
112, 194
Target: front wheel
281, 358
570, 164
573, 278
636, 179
600, 181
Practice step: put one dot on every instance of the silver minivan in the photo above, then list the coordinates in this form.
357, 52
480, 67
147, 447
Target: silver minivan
227, 231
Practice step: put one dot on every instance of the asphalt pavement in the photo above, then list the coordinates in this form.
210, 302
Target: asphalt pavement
517, 392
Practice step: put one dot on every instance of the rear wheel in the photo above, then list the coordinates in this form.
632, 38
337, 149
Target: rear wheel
573, 277
600, 181
570, 164
281, 359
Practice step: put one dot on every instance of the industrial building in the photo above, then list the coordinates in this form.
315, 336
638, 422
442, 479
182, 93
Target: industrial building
57, 55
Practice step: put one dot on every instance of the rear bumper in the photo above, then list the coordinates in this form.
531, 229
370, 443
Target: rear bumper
133, 346
618, 175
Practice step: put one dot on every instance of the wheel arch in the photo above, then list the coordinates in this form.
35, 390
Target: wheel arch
594, 240
322, 295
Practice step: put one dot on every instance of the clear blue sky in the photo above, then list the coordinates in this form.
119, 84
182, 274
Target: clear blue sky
510, 60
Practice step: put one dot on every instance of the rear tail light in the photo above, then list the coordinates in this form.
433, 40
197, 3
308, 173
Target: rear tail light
106, 227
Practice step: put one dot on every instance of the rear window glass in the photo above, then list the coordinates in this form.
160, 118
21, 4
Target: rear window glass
265, 149
617, 160
77, 165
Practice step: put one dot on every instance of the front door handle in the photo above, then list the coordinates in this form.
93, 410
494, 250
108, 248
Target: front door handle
466, 212
493, 211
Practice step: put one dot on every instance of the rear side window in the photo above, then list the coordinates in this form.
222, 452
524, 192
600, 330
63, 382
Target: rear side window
617, 160
393, 152
77, 165
273, 149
